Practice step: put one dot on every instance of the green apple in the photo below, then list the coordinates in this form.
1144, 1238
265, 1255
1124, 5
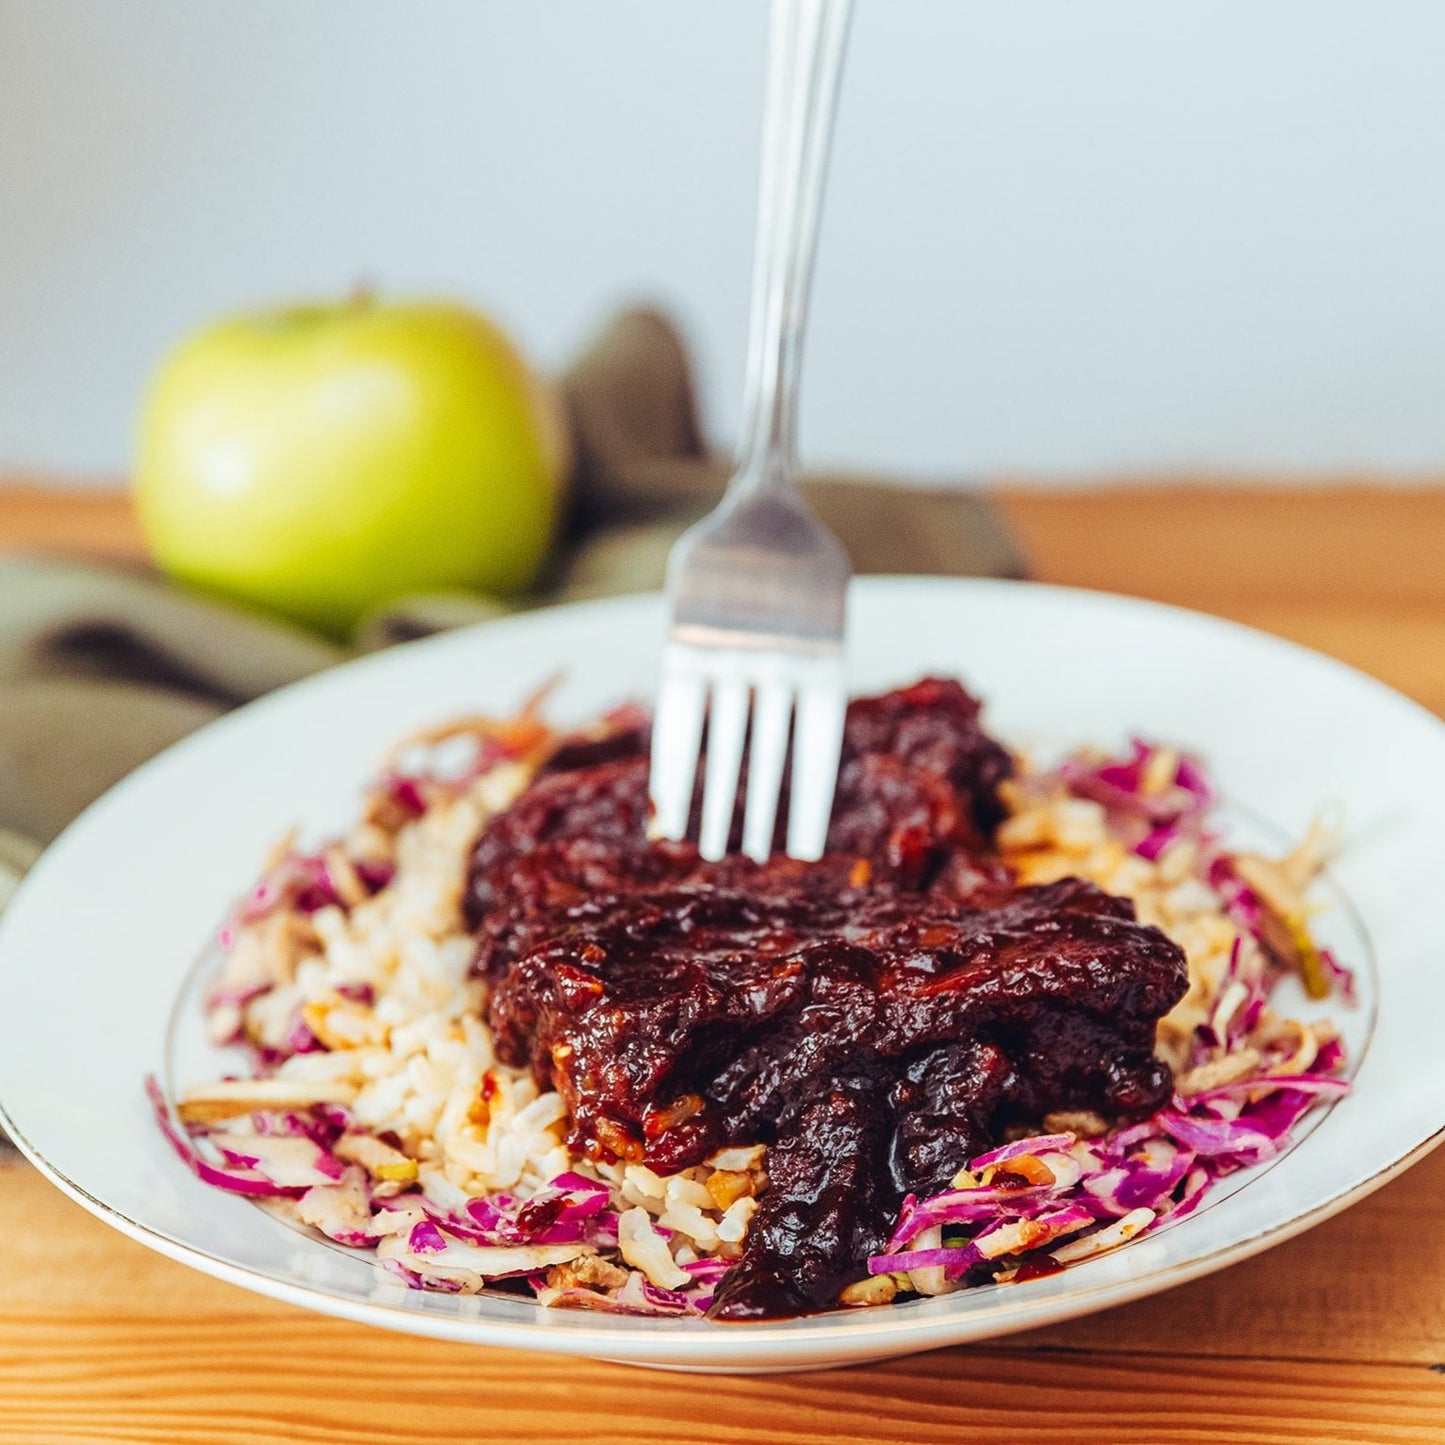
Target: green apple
320, 460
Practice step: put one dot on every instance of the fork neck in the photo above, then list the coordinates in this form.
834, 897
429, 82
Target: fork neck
805, 61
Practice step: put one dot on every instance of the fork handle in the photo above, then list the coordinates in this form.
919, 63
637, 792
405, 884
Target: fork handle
805, 61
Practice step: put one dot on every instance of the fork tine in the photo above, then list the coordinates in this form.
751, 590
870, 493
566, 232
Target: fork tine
767, 752
727, 726
677, 738
817, 743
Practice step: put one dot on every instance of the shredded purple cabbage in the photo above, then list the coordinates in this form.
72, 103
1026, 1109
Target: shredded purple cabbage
1063, 1192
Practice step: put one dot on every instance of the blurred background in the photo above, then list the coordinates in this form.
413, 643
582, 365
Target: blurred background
1062, 240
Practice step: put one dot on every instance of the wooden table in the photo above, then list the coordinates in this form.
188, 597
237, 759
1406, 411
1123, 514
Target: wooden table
1335, 1336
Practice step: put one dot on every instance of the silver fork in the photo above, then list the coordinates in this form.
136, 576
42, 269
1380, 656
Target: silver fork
759, 587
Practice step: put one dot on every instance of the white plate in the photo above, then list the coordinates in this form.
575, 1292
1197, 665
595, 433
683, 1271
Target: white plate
101, 937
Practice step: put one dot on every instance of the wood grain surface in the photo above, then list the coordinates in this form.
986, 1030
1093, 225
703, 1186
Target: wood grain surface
1338, 1336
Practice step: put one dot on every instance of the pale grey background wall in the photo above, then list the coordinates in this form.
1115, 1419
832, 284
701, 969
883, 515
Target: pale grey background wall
1063, 238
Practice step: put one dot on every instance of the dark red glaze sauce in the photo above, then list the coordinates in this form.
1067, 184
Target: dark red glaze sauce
874, 1022
1040, 1268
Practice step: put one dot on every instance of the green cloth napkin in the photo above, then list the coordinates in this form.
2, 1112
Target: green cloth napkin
101, 667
